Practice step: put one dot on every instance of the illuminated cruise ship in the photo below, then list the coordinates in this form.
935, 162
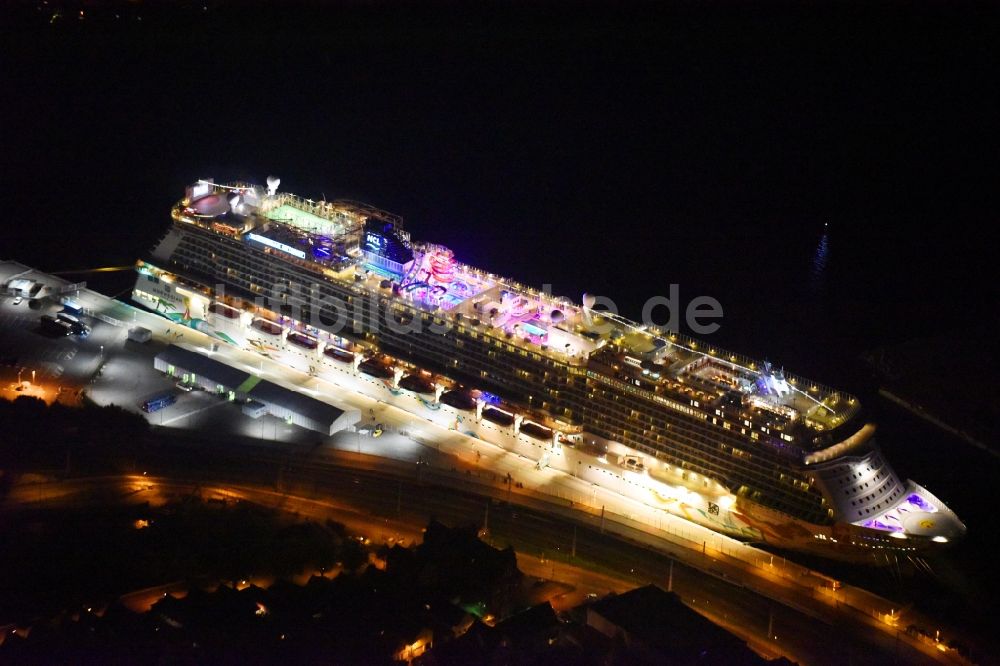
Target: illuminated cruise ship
721, 439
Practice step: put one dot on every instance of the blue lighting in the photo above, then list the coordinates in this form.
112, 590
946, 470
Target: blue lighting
534, 330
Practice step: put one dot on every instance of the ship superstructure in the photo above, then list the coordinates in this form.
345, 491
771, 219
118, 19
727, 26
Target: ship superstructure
756, 451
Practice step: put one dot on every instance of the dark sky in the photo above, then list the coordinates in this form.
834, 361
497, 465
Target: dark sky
611, 148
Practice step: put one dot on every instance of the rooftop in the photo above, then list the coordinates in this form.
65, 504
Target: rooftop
256, 389
203, 366
659, 624
272, 394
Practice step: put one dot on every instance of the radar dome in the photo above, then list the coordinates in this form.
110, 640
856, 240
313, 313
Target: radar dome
589, 300
556, 316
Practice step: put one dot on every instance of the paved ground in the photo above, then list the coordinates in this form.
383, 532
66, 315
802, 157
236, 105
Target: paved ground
49, 363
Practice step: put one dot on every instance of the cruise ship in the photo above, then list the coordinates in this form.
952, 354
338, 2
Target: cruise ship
724, 440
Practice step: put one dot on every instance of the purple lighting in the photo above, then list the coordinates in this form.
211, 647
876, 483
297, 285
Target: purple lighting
919, 502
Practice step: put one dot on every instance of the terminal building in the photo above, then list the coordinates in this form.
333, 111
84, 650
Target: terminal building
22, 287
260, 397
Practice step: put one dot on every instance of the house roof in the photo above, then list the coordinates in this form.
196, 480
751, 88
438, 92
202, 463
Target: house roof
663, 623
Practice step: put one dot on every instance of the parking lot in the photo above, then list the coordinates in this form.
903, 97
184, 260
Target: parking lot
107, 367
55, 366
128, 378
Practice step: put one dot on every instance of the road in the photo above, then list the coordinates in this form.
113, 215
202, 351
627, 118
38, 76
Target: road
387, 508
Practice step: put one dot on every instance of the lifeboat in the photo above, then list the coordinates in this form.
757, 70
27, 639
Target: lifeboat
459, 399
338, 354
499, 416
375, 368
417, 384
302, 340
265, 326
532, 429
224, 310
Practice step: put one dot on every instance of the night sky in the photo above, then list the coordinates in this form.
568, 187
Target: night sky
828, 172
609, 149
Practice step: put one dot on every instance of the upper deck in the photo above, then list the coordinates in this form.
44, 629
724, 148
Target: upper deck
326, 238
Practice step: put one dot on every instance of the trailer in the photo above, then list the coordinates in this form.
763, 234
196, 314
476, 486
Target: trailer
71, 307
158, 403
52, 325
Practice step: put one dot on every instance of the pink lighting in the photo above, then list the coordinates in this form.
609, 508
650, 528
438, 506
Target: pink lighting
442, 265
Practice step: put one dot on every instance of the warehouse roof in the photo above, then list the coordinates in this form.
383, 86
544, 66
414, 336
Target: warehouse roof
203, 366
272, 394
250, 385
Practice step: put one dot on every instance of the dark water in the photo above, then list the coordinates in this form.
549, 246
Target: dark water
828, 175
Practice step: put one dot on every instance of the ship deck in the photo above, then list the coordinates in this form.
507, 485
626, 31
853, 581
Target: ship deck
545, 325
304, 220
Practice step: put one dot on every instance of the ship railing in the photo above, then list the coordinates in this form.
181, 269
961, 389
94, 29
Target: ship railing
815, 391
497, 334
328, 210
347, 219
361, 208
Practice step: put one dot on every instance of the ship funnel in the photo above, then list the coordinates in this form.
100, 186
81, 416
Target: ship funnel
272, 185
588, 303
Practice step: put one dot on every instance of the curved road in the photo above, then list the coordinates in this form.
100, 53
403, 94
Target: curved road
389, 508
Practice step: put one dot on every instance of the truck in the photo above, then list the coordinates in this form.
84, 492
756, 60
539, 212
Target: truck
76, 326
54, 326
157, 403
